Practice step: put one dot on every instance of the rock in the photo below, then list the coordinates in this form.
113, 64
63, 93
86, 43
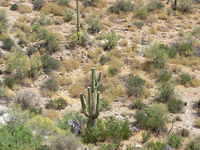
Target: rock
138, 146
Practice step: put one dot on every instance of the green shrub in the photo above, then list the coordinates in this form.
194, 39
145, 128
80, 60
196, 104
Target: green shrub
112, 71
49, 63
175, 141
135, 86
94, 24
19, 64
38, 4
3, 21
63, 2
166, 92
137, 104
14, 7
164, 76
156, 146
9, 82
158, 55
51, 85
111, 40
44, 20
78, 39
153, 117
121, 6
8, 43
58, 104
108, 147
194, 144
185, 79
185, 5
68, 15
111, 128
104, 59
18, 137
175, 105
51, 41
104, 105
185, 47
154, 5
141, 12
139, 24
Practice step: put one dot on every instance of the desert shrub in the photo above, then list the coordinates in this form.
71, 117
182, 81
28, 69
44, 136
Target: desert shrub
44, 20
185, 79
112, 70
2, 91
194, 144
71, 64
135, 86
38, 4
8, 43
175, 105
153, 117
156, 146
184, 132
14, 7
28, 99
68, 15
108, 147
94, 24
19, 64
137, 104
146, 135
139, 24
121, 6
141, 12
51, 40
111, 40
112, 128
164, 76
78, 39
154, 5
49, 63
69, 142
104, 105
184, 47
36, 66
166, 92
196, 31
185, 5
58, 104
175, 141
17, 137
53, 8
3, 21
104, 59
50, 84
63, 2
43, 126
157, 54
9, 82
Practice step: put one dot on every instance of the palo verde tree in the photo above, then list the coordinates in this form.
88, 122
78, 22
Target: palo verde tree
90, 104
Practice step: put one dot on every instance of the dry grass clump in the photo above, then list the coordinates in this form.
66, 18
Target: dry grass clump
53, 8
24, 9
70, 64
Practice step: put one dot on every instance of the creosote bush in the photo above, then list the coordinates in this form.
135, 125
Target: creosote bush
164, 76
50, 84
38, 4
166, 92
63, 2
121, 6
175, 105
153, 117
185, 79
185, 6
194, 144
49, 63
58, 104
175, 141
3, 21
81, 39
94, 24
68, 15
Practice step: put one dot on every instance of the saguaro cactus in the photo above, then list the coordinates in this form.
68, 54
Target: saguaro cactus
77, 19
90, 107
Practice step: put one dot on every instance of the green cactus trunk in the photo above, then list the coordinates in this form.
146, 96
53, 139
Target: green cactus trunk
90, 105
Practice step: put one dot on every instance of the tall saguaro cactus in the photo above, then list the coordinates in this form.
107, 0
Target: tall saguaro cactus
90, 104
77, 19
